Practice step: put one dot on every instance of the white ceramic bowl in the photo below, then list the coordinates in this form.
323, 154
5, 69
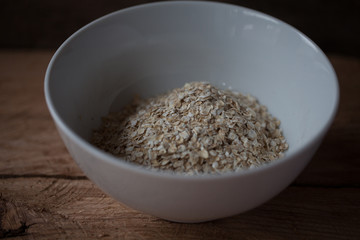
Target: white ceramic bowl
152, 48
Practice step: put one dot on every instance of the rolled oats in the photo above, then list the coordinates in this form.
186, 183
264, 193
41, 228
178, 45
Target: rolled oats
194, 129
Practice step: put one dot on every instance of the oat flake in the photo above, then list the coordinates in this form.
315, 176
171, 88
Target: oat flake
194, 129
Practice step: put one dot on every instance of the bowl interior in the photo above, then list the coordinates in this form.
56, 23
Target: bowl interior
150, 49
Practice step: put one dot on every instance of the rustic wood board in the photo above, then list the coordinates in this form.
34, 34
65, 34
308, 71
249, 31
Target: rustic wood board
44, 195
68, 208
29, 143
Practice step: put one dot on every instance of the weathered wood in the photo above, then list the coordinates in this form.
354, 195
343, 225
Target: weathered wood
29, 143
56, 207
44, 195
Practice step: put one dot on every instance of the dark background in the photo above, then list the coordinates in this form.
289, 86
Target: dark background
45, 24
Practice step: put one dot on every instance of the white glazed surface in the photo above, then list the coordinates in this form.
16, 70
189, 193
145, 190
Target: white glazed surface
153, 48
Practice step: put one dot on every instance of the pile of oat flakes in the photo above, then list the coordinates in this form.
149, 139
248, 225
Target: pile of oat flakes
194, 129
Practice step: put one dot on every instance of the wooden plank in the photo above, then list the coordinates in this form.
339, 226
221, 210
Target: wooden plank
29, 143
41, 186
76, 209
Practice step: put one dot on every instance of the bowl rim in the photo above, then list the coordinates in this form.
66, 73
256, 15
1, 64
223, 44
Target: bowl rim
131, 167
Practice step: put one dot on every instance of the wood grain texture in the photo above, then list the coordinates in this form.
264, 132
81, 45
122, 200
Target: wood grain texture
29, 143
44, 195
78, 210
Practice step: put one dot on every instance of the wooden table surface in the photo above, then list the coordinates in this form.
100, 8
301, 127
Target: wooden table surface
44, 195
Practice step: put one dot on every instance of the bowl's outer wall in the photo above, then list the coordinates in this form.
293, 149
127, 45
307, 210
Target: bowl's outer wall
189, 199
136, 50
